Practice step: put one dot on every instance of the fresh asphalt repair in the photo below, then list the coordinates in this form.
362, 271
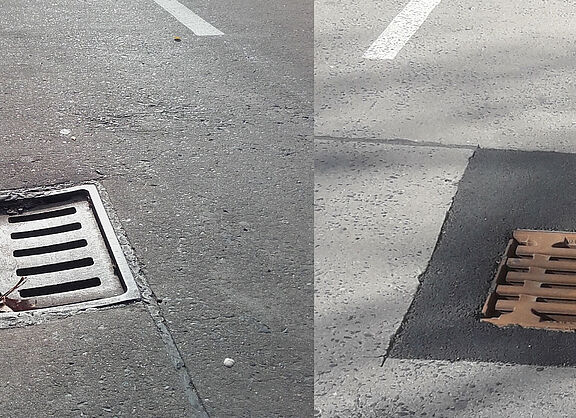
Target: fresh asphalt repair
443, 322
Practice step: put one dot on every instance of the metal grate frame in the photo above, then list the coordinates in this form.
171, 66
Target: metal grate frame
63, 242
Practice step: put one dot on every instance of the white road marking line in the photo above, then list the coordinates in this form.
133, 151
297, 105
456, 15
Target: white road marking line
188, 18
400, 30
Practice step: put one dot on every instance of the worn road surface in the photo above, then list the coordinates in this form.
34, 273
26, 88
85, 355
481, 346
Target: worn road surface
203, 145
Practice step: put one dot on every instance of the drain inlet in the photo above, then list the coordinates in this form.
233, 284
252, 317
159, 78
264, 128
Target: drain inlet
60, 288
52, 268
50, 248
42, 215
46, 231
535, 285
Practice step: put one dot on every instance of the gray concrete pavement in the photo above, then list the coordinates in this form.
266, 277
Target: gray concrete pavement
492, 75
202, 146
105, 363
469, 389
379, 209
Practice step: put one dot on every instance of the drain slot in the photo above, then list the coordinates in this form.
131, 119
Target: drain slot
52, 268
42, 215
50, 248
46, 231
60, 288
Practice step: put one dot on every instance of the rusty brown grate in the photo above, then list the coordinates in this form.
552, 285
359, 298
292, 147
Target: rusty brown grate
535, 285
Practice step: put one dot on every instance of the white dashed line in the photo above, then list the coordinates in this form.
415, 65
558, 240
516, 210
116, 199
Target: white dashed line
188, 18
400, 30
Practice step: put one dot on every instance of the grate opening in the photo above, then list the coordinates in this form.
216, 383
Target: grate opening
557, 318
556, 286
60, 288
562, 259
561, 272
42, 215
563, 244
47, 231
556, 300
518, 283
47, 249
56, 267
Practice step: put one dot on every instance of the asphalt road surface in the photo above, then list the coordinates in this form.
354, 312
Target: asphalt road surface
441, 126
202, 142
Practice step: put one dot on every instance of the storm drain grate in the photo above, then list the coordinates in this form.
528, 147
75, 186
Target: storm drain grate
63, 243
535, 285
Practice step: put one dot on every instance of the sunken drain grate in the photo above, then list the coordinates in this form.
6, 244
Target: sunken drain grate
63, 244
535, 285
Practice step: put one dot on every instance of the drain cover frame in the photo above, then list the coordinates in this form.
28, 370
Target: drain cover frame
535, 284
63, 241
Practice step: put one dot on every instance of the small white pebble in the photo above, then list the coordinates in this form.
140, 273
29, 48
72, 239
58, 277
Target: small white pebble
65, 131
228, 362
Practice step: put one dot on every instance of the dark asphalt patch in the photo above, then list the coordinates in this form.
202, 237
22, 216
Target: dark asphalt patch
501, 191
